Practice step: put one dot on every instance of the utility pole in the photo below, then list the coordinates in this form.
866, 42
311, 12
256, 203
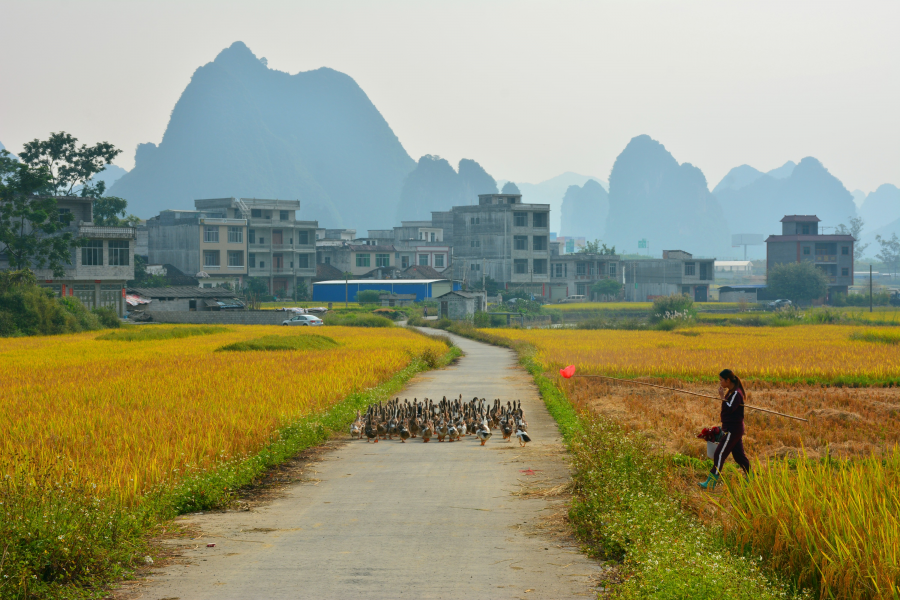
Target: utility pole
870, 288
346, 291
482, 277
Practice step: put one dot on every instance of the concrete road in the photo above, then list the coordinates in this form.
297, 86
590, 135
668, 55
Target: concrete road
393, 520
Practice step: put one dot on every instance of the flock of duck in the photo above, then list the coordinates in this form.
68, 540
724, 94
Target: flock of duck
449, 420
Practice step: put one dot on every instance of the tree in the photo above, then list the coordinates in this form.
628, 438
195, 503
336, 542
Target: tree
108, 211
596, 247
890, 252
607, 287
254, 290
68, 165
855, 229
301, 292
31, 226
799, 282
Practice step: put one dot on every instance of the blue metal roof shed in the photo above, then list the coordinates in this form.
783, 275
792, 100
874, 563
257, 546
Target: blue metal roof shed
338, 290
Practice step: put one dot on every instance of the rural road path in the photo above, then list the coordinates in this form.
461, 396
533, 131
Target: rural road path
392, 520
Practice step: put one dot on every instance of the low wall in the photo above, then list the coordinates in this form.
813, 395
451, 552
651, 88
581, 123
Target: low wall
221, 317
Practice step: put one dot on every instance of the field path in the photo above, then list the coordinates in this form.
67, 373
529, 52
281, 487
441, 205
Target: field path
392, 520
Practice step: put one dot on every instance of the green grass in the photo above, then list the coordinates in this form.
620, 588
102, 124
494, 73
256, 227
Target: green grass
152, 333
357, 320
58, 541
282, 342
876, 335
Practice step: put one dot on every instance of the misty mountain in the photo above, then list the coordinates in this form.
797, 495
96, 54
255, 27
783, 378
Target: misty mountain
434, 186
552, 191
652, 196
744, 175
881, 206
242, 129
809, 190
475, 180
584, 211
510, 188
859, 197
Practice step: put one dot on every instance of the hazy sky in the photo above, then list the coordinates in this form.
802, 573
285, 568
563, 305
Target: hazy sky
528, 89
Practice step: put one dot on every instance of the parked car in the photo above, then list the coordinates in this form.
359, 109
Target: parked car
303, 320
574, 298
781, 303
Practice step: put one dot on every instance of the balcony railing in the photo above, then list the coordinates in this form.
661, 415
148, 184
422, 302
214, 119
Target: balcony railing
117, 233
826, 258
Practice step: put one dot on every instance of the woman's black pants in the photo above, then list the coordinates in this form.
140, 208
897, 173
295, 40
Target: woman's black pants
733, 444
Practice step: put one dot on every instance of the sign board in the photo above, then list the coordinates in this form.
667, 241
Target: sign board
642, 243
747, 239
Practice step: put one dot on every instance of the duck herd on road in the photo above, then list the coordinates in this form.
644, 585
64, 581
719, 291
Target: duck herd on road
449, 420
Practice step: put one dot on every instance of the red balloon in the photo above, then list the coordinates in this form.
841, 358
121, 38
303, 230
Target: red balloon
568, 371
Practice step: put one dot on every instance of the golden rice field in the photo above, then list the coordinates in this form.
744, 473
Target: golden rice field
133, 415
802, 353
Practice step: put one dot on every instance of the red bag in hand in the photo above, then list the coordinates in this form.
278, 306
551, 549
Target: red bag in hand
568, 371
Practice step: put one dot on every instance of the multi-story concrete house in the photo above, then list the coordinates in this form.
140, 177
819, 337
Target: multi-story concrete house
575, 274
359, 257
501, 238
417, 243
200, 241
800, 241
678, 272
281, 249
97, 271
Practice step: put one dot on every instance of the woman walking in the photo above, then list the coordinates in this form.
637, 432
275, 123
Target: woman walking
731, 391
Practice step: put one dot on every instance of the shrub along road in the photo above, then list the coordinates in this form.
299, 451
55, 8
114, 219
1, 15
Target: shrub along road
393, 520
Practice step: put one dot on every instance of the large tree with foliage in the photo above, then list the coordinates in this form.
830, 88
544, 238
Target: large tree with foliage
31, 227
607, 287
890, 252
798, 282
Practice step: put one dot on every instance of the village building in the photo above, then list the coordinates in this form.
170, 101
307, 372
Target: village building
800, 241
183, 298
575, 274
98, 269
458, 305
678, 272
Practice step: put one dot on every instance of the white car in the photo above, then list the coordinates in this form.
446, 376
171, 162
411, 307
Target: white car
303, 320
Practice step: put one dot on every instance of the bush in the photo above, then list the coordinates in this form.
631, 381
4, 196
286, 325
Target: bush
87, 321
357, 320
674, 307
28, 309
370, 296
108, 317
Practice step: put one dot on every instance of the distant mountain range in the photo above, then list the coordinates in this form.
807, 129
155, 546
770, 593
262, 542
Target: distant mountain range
435, 186
584, 211
653, 197
242, 129
803, 189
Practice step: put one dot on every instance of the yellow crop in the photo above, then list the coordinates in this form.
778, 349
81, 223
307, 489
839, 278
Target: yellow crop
810, 353
133, 415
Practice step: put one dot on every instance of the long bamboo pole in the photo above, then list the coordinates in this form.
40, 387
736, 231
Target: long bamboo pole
693, 394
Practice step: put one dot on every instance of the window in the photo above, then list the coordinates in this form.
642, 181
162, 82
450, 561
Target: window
85, 293
420, 235
581, 289
235, 258
805, 229
251, 260
475, 244
520, 219
262, 264
520, 266
432, 236
235, 235
62, 215
540, 243
92, 253
362, 260
540, 266
423, 260
211, 258
685, 290
283, 215
557, 270
845, 272
580, 269
277, 237
472, 221
439, 260
251, 236
689, 269
806, 250
475, 267
520, 242
255, 213
303, 237
540, 219
210, 234
612, 269
845, 250
382, 260
303, 261
118, 253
